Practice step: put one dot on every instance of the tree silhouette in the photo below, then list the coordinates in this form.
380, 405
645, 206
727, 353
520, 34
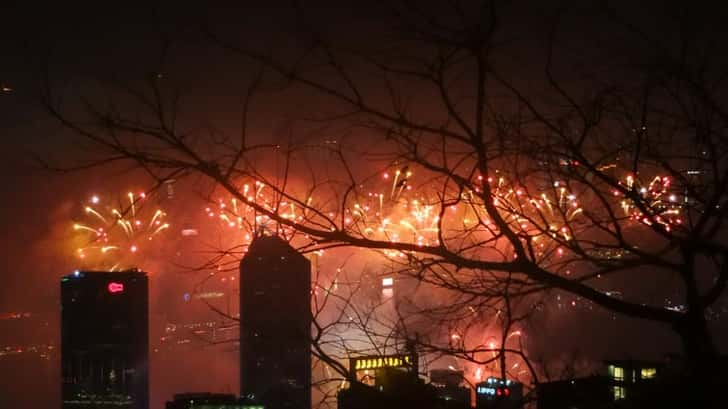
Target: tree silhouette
488, 169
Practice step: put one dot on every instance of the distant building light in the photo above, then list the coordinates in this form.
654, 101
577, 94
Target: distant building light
170, 187
616, 372
210, 294
189, 232
676, 308
388, 361
648, 373
485, 390
387, 282
76, 273
693, 172
494, 380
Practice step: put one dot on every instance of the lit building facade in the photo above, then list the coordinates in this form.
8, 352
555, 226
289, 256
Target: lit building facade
275, 325
625, 374
626, 382
105, 340
389, 382
370, 364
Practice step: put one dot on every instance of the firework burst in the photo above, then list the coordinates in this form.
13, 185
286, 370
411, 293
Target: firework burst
654, 204
392, 207
118, 234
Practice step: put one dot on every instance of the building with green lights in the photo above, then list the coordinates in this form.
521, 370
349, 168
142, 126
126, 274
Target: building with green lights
206, 400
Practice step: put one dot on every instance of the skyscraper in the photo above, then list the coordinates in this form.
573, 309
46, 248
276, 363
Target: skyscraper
104, 340
275, 325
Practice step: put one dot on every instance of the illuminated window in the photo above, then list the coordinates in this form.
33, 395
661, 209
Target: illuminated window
617, 373
648, 373
618, 392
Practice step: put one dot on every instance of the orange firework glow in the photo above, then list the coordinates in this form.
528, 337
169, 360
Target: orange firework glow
395, 209
554, 216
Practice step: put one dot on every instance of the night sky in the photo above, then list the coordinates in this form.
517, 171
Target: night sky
75, 46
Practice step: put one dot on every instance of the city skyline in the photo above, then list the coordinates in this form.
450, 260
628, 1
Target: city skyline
515, 191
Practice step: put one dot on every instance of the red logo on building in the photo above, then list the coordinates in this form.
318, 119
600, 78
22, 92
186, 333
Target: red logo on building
115, 287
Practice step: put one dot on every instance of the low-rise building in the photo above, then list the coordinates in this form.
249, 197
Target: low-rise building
206, 400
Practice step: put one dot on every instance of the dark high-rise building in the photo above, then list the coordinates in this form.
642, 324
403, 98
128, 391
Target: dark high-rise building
104, 340
275, 325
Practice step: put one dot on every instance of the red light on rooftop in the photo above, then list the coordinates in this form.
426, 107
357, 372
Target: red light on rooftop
115, 287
